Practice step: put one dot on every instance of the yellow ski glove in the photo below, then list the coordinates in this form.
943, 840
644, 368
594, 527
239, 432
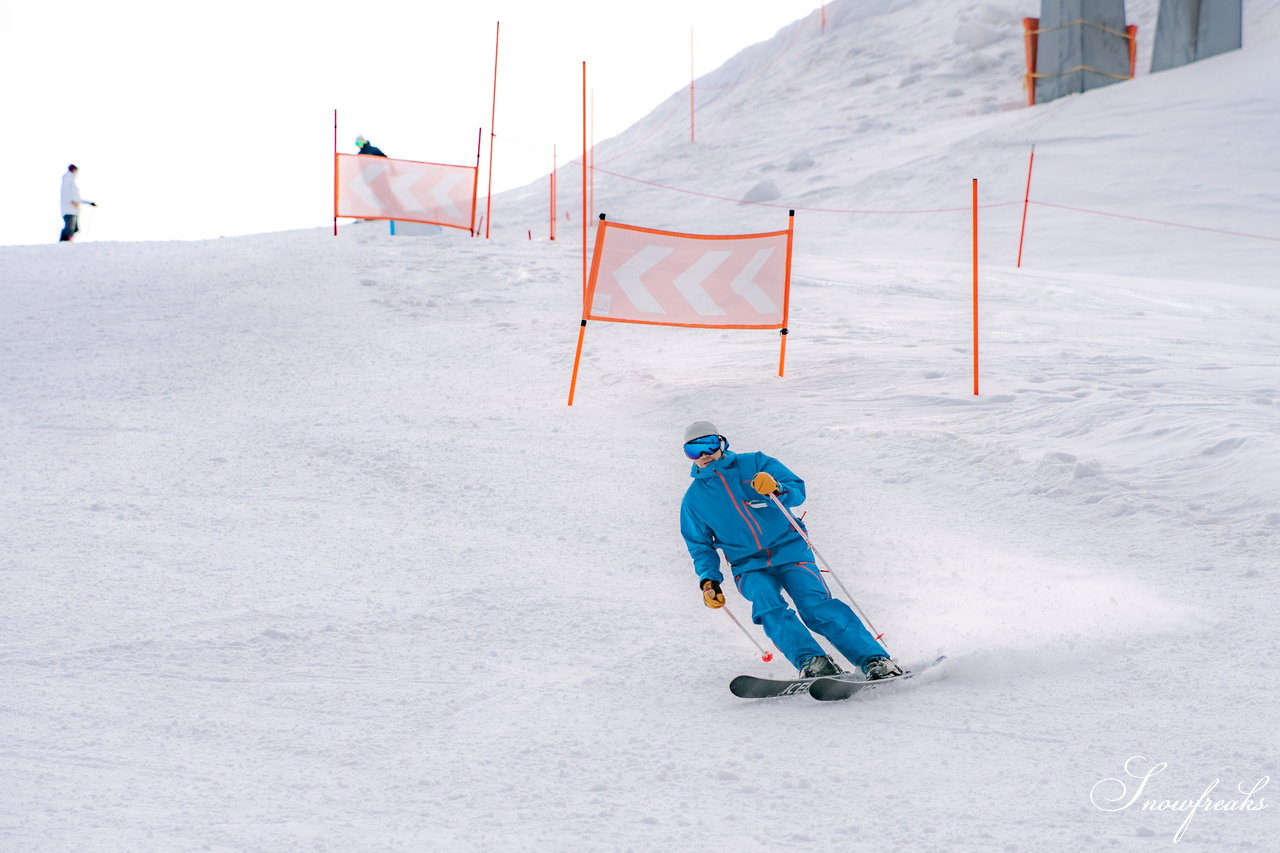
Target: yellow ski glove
711, 594
764, 483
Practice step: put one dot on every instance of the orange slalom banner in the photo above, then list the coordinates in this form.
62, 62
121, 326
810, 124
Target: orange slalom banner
368, 187
665, 278
700, 281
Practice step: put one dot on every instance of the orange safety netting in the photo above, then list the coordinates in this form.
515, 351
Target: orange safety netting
701, 281
665, 278
367, 187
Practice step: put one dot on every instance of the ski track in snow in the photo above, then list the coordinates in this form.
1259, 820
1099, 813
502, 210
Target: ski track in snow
304, 550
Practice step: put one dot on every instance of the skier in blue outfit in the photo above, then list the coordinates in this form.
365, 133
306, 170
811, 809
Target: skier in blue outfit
727, 506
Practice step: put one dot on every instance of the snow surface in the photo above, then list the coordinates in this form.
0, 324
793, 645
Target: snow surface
305, 551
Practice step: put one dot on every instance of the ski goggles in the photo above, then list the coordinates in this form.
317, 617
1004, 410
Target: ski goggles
708, 445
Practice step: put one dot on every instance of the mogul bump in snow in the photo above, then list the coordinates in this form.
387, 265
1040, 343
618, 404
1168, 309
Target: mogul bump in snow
728, 506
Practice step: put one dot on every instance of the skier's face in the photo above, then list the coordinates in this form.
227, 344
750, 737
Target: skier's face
707, 458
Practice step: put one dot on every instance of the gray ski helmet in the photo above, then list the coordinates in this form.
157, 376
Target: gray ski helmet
698, 429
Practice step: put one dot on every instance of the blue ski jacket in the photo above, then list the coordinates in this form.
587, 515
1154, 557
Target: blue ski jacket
721, 510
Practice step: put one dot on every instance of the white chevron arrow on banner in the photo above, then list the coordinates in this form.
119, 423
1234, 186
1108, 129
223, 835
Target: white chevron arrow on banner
402, 189
360, 185
745, 286
628, 277
689, 283
440, 192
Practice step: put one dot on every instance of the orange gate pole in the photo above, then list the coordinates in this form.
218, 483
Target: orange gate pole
493, 116
1026, 199
586, 306
577, 359
786, 296
584, 179
475, 180
335, 173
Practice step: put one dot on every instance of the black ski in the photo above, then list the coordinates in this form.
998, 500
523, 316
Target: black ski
832, 689
825, 689
751, 687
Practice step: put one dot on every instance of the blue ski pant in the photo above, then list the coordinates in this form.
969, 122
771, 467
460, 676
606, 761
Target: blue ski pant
821, 613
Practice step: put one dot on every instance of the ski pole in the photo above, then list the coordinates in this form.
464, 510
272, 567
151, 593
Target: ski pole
764, 655
826, 566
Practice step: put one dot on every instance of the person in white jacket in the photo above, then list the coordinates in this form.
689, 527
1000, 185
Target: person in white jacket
71, 202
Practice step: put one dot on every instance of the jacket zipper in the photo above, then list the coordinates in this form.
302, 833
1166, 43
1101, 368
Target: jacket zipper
751, 525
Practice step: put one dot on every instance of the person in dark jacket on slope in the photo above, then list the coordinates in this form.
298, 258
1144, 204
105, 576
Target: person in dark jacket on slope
367, 147
728, 507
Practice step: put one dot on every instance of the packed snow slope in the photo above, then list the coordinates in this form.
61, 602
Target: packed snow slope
303, 549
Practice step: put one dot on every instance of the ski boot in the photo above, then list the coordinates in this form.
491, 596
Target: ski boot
880, 667
818, 666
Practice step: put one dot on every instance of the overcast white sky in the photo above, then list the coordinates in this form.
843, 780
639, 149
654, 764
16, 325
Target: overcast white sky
192, 121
